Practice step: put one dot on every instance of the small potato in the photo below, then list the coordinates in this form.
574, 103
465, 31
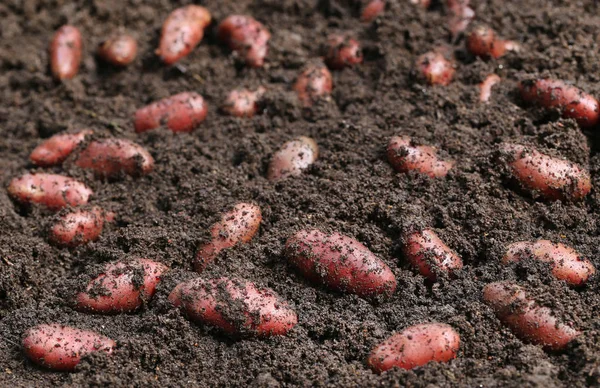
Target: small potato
341, 263
236, 227
119, 50
60, 348
295, 156
461, 16
343, 52
525, 318
78, 227
435, 68
313, 83
572, 102
243, 102
110, 157
56, 149
121, 287
234, 306
566, 263
65, 52
181, 32
405, 157
247, 36
553, 178
372, 10
51, 190
423, 3
483, 42
416, 346
428, 253
180, 113
485, 88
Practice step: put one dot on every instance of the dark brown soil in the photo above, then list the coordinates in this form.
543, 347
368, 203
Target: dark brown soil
350, 189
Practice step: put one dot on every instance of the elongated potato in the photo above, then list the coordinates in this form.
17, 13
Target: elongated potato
51, 190
61, 348
343, 52
416, 346
315, 82
430, 255
78, 227
435, 68
483, 42
372, 10
247, 36
110, 157
405, 157
65, 52
180, 113
340, 263
243, 102
526, 318
485, 88
294, 157
56, 149
119, 50
121, 287
235, 306
236, 226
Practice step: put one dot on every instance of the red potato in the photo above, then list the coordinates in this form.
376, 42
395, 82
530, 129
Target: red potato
435, 68
422, 3
553, 178
247, 36
236, 227
372, 10
180, 113
243, 102
430, 255
294, 157
343, 52
485, 88
110, 157
61, 348
121, 287
51, 190
566, 263
483, 42
572, 102
313, 83
119, 50
181, 32
78, 227
526, 318
56, 149
405, 157
235, 306
416, 346
65, 52
460, 14
341, 263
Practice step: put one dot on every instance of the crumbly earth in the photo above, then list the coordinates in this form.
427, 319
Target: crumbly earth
351, 189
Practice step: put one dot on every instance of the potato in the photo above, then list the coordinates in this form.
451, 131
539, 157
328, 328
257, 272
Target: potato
483, 42
485, 88
243, 102
65, 52
525, 318
343, 52
428, 253
180, 113
372, 10
78, 227
51, 190
121, 287
181, 32
119, 50
236, 226
313, 83
295, 155
60, 348
435, 68
110, 157
56, 149
234, 306
460, 16
404, 156
340, 263
416, 346
565, 262
247, 36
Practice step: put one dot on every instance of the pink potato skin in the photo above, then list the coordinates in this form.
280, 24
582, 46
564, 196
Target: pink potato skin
553, 178
234, 306
341, 263
180, 113
460, 16
435, 68
405, 157
236, 226
122, 287
372, 10
65, 52
51, 190
247, 36
566, 263
343, 52
181, 32
118, 50
243, 102
109, 157
483, 42
61, 348
572, 102
485, 88
56, 149
525, 318
430, 255
295, 155
78, 227
313, 83
416, 346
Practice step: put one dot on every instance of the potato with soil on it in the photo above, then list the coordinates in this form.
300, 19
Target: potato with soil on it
416, 346
237, 226
343, 52
526, 318
460, 16
121, 287
61, 348
340, 263
181, 32
51, 190
78, 227
56, 149
314, 83
180, 113
405, 156
243, 102
247, 36
553, 178
430, 255
483, 42
566, 263
119, 50
372, 10
294, 157
65, 52
235, 306
111, 157
435, 68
